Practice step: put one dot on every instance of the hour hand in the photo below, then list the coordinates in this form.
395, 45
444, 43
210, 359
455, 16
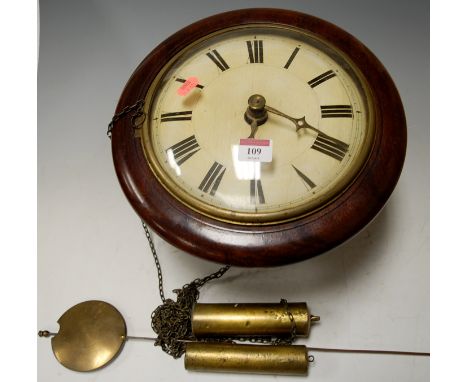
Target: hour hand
253, 129
299, 122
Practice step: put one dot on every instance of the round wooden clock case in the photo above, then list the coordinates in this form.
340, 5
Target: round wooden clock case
283, 242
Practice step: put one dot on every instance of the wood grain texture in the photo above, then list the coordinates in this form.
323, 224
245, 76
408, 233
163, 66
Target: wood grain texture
275, 244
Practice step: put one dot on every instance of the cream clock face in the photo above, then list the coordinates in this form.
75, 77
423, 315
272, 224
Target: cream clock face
192, 140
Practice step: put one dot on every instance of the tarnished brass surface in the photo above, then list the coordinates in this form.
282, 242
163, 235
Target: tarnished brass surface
256, 110
259, 359
246, 320
91, 334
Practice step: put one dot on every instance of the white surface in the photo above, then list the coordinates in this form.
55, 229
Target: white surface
372, 292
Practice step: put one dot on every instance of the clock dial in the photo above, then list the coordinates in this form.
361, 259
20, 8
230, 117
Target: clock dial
317, 104
192, 141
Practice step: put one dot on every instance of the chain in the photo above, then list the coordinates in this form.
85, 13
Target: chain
292, 337
156, 261
216, 275
171, 321
137, 112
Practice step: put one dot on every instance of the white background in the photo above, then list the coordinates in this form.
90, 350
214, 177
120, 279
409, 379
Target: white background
372, 292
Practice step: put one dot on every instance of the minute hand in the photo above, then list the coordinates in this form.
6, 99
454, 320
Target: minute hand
299, 122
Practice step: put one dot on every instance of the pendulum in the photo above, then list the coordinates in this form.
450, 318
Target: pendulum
91, 335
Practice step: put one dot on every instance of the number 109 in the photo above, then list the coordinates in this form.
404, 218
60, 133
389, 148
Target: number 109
254, 151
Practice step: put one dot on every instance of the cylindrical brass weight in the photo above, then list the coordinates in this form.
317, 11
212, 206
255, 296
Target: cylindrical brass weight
258, 359
248, 320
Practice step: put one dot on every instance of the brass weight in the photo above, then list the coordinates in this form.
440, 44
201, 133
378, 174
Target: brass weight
241, 358
252, 319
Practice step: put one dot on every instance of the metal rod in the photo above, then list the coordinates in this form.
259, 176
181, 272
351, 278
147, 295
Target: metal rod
46, 333
368, 351
140, 338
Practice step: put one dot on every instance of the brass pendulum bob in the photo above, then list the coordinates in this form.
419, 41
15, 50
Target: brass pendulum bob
91, 335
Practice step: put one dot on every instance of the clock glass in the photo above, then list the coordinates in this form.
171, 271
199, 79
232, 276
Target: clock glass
288, 91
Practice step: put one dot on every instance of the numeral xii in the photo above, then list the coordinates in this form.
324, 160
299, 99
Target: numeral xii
255, 51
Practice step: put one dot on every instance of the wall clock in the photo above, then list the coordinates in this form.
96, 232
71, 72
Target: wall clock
264, 137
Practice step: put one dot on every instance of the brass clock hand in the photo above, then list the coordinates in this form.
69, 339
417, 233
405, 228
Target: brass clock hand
257, 113
253, 129
299, 122
323, 142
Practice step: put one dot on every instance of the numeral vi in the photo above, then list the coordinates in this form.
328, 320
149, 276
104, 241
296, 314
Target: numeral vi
256, 192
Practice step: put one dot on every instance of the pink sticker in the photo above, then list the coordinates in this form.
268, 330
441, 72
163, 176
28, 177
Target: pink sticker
254, 142
188, 85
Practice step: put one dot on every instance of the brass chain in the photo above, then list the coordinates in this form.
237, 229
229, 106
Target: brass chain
137, 111
198, 283
292, 335
156, 261
172, 321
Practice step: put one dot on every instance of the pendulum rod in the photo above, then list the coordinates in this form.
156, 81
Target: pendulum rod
368, 351
46, 333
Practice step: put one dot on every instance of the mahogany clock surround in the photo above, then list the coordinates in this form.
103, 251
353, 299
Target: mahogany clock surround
264, 245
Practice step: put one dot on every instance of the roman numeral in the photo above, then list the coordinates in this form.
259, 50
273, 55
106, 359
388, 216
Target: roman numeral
176, 116
184, 149
256, 192
307, 181
291, 58
218, 60
255, 53
183, 80
322, 78
337, 111
330, 146
212, 179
